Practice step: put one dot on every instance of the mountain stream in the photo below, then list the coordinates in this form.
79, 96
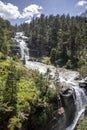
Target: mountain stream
67, 77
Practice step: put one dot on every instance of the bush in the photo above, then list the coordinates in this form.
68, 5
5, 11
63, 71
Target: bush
83, 71
2, 56
86, 110
46, 60
83, 123
69, 64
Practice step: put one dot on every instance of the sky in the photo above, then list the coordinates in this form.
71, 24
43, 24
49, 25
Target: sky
20, 11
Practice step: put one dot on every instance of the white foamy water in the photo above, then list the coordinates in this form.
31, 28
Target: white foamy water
81, 101
20, 39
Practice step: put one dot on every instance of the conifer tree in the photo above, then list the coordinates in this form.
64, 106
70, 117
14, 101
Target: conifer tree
10, 91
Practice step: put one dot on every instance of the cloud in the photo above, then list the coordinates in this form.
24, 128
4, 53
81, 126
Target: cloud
9, 11
82, 3
28, 21
31, 11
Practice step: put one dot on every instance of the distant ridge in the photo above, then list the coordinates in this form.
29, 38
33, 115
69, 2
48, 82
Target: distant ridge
84, 14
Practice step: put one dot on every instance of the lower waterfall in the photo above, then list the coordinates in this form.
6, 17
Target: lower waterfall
81, 97
81, 101
66, 77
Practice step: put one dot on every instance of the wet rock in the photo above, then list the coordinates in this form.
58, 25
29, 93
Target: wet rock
15, 49
65, 113
59, 120
68, 102
83, 83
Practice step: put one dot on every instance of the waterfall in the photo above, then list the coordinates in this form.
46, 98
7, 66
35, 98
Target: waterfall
24, 50
67, 79
20, 38
80, 102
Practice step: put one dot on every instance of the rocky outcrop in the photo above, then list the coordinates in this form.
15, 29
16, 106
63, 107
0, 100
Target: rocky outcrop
15, 48
68, 102
65, 114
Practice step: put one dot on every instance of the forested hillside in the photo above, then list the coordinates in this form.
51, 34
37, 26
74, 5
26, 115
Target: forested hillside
24, 93
62, 38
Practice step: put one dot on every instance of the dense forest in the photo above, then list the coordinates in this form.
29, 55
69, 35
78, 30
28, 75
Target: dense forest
5, 29
26, 100
61, 38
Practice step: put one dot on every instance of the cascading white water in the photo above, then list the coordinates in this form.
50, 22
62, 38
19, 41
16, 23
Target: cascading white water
24, 50
66, 77
20, 38
80, 102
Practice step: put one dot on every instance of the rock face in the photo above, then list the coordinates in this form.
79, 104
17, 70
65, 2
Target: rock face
64, 116
59, 120
15, 48
68, 102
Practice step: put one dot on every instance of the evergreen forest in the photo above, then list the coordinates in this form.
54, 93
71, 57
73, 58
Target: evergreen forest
61, 38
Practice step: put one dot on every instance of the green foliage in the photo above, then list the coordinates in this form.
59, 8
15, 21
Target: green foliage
86, 111
2, 56
82, 64
15, 123
10, 90
53, 55
4, 37
46, 60
82, 124
5, 112
27, 94
24, 60
16, 57
83, 71
69, 64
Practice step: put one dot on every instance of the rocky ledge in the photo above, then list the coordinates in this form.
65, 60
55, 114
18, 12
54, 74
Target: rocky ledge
83, 83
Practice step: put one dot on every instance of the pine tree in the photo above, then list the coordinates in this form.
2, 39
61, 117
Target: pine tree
10, 91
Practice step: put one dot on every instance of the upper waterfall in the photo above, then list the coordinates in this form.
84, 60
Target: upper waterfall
21, 39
